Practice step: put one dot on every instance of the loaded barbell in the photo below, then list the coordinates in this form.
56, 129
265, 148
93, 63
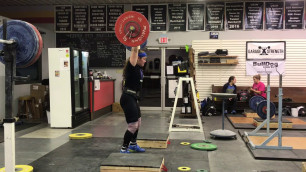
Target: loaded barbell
259, 105
28, 41
132, 29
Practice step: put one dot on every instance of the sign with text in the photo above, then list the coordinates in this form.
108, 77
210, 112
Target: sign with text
63, 18
274, 15
215, 16
213, 35
80, 18
294, 14
113, 12
158, 17
177, 17
253, 15
234, 16
265, 57
195, 16
163, 40
142, 9
97, 18
264, 67
274, 50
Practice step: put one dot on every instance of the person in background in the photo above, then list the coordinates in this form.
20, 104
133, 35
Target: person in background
133, 77
258, 88
231, 88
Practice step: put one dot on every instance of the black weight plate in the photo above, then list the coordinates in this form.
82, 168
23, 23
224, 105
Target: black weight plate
254, 102
262, 109
26, 38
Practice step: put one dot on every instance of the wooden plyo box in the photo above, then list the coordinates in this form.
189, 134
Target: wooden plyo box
252, 114
118, 162
153, 140
304, 166
273, 123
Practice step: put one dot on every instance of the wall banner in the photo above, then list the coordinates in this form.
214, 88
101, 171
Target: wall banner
264, 67
265, 57
275, 50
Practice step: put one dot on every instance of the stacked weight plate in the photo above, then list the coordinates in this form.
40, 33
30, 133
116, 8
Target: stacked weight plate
28, 39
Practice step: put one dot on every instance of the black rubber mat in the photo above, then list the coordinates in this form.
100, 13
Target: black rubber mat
270, 154
17, 128
88, 154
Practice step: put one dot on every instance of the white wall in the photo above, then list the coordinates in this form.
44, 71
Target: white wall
295, 73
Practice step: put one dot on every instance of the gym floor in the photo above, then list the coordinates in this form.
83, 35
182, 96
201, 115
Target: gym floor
50, 150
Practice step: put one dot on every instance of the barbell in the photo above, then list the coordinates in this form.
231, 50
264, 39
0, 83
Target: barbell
132, 29
28, 41
259, 105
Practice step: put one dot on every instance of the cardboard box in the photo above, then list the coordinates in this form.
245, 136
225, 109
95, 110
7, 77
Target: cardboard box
38, 111
116, 107
232, 61
39, 92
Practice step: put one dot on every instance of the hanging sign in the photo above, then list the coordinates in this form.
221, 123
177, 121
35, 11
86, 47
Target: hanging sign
158, 17
97, 18
265, 57
195, 16
234, 16
294, 13
254, 15
177, 17
215, 16
274, 15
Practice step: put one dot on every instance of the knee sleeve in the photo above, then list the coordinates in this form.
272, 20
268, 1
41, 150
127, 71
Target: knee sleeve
133, 127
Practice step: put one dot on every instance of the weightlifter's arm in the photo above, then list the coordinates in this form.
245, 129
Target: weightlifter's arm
255, 91
134, 56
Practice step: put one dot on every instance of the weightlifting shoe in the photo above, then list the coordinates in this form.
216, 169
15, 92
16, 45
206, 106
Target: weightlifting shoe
124, 151
233, 112
136, 148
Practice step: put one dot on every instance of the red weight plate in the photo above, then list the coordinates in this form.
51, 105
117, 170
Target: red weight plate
40, 42
132, 29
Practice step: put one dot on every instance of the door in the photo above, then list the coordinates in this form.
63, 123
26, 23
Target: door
159, 83
84, 77
76, 79
173, 58
151, 86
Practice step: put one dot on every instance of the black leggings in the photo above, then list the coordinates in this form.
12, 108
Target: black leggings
130, 107
230, 104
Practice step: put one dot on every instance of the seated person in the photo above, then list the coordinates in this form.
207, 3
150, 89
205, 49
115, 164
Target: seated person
230, 87
259, 87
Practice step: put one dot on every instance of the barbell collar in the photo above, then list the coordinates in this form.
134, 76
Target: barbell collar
7, 41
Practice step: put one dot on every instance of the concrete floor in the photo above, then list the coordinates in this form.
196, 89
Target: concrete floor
51, 150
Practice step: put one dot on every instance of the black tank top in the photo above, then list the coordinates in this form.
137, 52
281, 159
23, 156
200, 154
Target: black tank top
133, 77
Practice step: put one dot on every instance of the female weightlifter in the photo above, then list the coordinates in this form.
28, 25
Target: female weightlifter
230, 87
133, 77
258, 88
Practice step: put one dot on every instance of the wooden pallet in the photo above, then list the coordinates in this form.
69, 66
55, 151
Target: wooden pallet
273, 123
251, 115
117, 162
153, 140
